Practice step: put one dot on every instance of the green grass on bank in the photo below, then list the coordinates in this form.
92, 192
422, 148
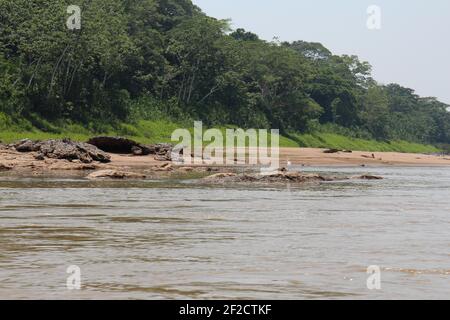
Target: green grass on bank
336, 141
144, 132
161, 131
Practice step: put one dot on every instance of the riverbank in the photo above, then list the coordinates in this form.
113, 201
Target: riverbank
317, 157
14, 161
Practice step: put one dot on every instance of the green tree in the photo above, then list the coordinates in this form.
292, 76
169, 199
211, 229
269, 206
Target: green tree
375, 113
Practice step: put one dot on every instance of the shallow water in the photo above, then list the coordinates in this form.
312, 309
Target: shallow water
178, 240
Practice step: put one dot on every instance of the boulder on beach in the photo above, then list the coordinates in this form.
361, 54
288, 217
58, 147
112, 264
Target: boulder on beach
332, 151
63, 149
119, 145
114, 174
27, 145
337, 151
163, 151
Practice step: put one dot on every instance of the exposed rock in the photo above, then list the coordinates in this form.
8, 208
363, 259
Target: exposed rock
368, 177
220, 176
163, 147
70, 166
279, 177
6, 166
119, 145
63, 149
197, 169
162, 157
165, 167
297, 177
115, 174
94, 152
332, 151
275, 177
337, 151
163, 151
27, 145
137, 151
186, 169
40, 156
8, 148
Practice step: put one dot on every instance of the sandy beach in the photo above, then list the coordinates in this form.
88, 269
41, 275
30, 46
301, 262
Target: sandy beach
11, 160
317, 157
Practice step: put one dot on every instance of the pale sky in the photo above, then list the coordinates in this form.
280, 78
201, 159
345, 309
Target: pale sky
412, 48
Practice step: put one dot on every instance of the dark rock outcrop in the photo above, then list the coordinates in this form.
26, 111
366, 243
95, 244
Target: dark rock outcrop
63, 149
368, 177
332, 151
120, 145
162, 151
40, 156
337, 151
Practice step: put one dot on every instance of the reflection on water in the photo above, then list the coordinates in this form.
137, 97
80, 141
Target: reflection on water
177, 239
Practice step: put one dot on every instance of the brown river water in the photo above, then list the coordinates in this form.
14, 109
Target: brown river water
175, 239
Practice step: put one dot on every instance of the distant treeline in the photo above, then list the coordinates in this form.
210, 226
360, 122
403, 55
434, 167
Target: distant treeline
148, 59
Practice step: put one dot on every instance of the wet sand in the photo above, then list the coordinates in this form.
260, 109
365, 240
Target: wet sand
317, 157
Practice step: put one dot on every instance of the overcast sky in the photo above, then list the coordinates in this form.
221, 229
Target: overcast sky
412, 48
